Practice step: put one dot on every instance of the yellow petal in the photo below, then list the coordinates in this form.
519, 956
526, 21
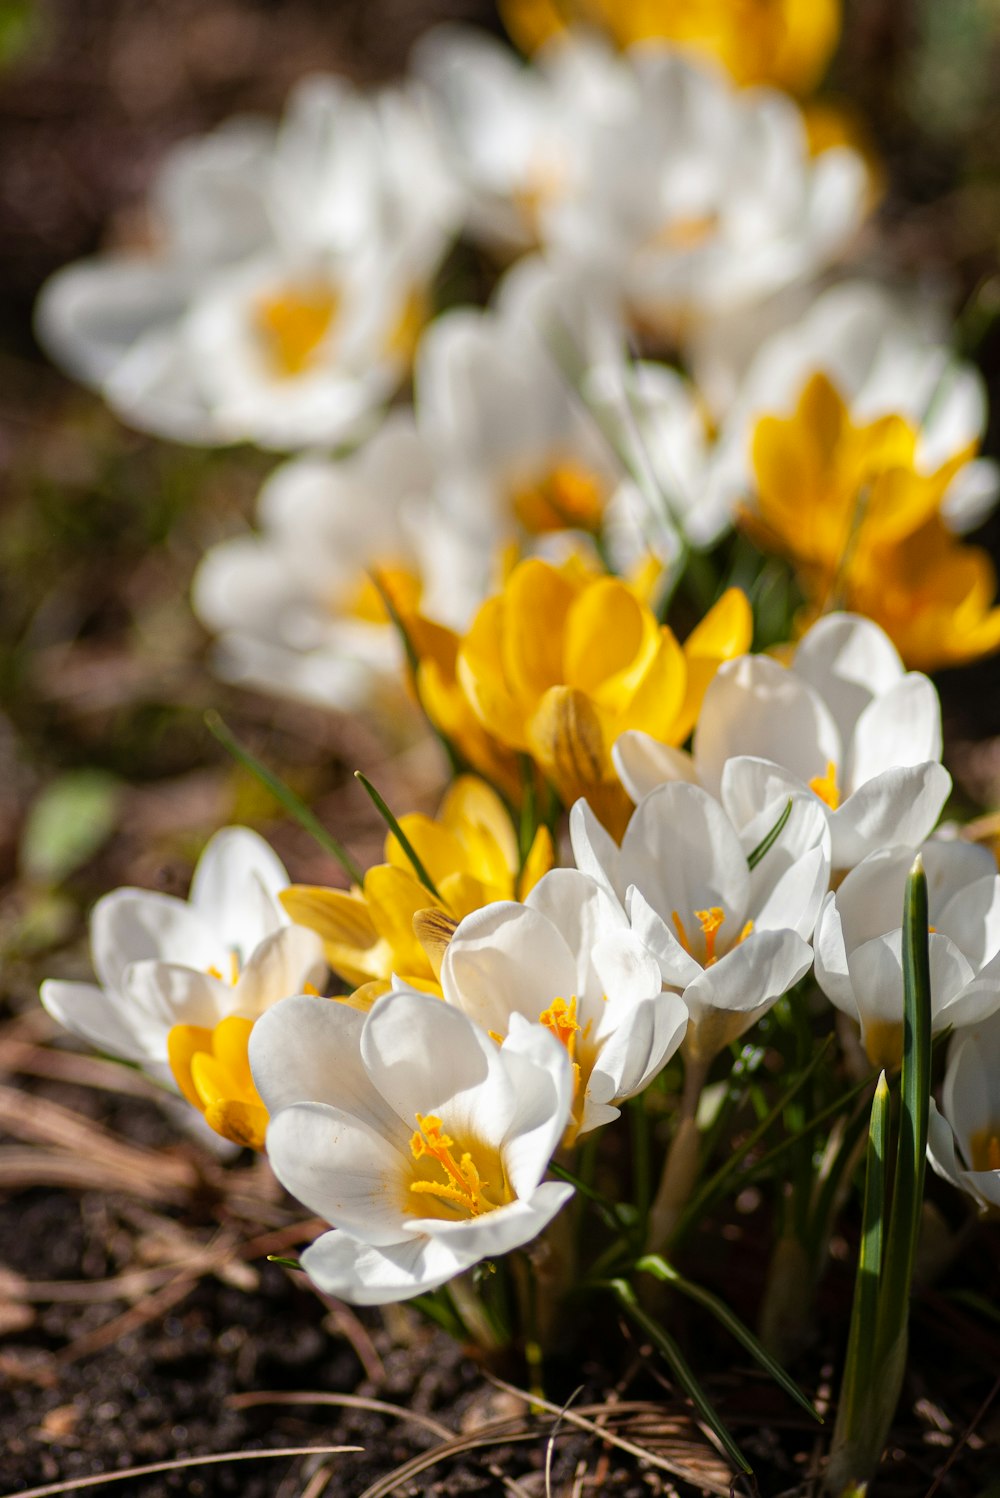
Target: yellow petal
568, 742
184, 1042
230, 1042
655, 705
243, 1123
536, 600
394, 897
481, 675
540, 859
607, 631
470, 802
434, 930
438, 849
725, 632
352, 945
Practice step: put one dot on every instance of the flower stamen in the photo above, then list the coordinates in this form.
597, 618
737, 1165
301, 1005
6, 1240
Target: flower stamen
825, 786
465, 1187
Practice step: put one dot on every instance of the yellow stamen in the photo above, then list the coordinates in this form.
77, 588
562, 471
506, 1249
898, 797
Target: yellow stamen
682, 935
234, 971
825, 786
464, 1188
560, 1020
292, 324
984, 1146
710, 921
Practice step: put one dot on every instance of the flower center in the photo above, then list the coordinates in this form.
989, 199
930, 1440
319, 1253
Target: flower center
567, 497
463, 1188
825, 786
292, 323
710, 922
984, 1146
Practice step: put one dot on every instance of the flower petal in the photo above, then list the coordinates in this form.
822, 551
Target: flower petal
643, 763
898, 807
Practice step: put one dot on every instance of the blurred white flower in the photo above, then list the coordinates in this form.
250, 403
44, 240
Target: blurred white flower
844, 721
885, 353
567, 959
729, 938
415, 1135
963, 1143
859, 936
702, 198
228, 951
284, 299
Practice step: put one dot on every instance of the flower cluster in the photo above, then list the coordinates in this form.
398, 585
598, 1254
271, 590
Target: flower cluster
688, 781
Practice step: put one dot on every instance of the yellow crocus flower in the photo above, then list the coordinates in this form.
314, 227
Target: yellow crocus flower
787, 43
860, 522
470, 853
211, 1068
561, 662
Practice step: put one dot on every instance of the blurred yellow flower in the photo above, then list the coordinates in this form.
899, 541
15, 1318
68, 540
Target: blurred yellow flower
469, 852
561, 662
860, 521
211, 1068
787, 43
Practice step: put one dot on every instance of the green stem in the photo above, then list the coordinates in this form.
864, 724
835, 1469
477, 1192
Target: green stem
392, 823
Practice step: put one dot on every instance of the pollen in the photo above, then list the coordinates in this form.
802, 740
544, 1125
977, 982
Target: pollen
292, 324
825, 786
463, 1187
711, 922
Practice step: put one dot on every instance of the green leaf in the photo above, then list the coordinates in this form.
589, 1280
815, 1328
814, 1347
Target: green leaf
67, 824
767, 843
284, 795
683, 1372
656, 1265
392, 823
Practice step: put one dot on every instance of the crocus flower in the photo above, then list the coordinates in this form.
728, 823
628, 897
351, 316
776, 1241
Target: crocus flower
729, 938
563, 661
859, 942
963, 1143
844, 721
470, 853
181, 982
567, 960
415, 1135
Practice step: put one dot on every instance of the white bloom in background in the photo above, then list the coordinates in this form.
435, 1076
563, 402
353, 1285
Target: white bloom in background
294, 604
859, 937
963, 1143
286, 296
415, 1135
515, 450
885, 355
515, 134
703, 198
162, 962
845, 720
567, 959
730, 939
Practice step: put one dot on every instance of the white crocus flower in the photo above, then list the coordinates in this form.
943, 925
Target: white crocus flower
963, 1143
516, 452
703, 198
729, 938
885, 355
845, 721
415, 1135
163, 963
859, 942
294, 605
284, 303
567, 959
514, 134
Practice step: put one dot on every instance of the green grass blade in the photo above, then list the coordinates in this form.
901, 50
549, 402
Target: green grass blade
915, 1087
767, 843
656, 1265
854, 1400
392, 823
683, 1372
284, 795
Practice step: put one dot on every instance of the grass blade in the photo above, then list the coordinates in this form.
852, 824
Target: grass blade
391, 822
662, 1340
657, 1266
284, 795
767, 843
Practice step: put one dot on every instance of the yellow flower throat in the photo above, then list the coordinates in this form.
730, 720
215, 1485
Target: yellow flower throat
710, 922
463, 1189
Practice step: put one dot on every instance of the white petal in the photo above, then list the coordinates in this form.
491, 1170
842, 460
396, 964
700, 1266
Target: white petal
876, 969
901, 727
367, 1276
637, 1049
972, 919
751, 790
585, 915
287, 962
941, 1153
236, 885
169, 994
496, 1233
848, 661
308, 1049
134, 925
507, 958
341, 1169
642, 763
755, 706
677, 967
539, 1070
595, 851
102, 1018
832, 972
750, 978
899, 806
